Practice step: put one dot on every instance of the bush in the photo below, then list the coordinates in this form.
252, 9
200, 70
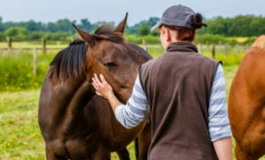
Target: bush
249, 40
220, 39
2, 37
17, 33
228, 60
59, 36
142, 39
210, 39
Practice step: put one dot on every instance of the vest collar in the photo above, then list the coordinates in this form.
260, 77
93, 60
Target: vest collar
182, 47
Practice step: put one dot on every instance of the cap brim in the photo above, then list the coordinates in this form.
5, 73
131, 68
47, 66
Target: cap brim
159, 23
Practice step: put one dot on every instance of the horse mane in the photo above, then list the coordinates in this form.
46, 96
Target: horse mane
106, 32
259, 43
69, 62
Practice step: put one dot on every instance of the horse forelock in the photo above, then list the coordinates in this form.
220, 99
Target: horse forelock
106, 32
259, 43
69, 62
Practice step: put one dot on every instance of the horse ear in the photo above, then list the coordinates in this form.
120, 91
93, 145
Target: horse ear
84, 35
121, 27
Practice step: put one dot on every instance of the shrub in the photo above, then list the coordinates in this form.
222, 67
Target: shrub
142, 39
17, 33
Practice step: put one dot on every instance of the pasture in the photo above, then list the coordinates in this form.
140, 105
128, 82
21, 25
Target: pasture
20, 137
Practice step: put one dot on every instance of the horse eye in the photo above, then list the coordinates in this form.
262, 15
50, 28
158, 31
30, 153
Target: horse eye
110, 64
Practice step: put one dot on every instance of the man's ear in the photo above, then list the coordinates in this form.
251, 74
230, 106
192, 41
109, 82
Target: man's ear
172, 35
165, 33
168, 35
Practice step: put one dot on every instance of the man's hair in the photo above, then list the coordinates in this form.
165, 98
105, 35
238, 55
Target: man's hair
183, 34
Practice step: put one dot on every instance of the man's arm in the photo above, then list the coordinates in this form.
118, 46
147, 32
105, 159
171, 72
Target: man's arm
223, 148
219, 125
130, 114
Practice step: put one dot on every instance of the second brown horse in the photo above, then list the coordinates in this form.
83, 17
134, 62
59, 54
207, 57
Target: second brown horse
247, 103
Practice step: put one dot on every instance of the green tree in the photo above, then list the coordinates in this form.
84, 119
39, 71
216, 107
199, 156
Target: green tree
62, 25
33, 26
17, 33
2, 36
135, 29
65, 25
216, 26
37, 35
144, 30
86, 25
1, 25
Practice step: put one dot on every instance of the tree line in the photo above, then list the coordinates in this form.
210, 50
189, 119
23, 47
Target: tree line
239, 26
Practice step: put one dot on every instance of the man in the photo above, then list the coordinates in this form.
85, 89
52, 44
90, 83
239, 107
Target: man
185, 92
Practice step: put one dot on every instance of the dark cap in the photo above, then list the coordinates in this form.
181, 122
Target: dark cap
180, 16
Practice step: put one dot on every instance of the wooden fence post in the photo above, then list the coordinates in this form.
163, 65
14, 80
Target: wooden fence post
44, 43
237, 49
200, 48
225, 49
9, 42
213, 52
35, 61
144, 45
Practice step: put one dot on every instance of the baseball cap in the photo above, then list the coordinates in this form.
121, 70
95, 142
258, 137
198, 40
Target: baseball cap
180, 16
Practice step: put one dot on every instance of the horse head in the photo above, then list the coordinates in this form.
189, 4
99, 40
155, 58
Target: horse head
111, 56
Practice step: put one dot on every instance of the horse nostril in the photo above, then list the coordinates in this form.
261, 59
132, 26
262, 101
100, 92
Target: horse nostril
124, 86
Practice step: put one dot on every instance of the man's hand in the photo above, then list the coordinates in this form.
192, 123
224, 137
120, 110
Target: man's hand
102, 87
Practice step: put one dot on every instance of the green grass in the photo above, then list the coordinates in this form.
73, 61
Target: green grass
16, 70
34, 44
20, 137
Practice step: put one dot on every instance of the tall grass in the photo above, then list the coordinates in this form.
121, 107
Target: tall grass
20, 137
16, 70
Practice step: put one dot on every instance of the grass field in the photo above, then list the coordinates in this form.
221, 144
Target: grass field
20, 137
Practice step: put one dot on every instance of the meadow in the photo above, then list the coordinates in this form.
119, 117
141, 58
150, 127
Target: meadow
20, 137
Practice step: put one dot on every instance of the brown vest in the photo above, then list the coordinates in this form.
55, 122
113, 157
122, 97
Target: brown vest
178, 87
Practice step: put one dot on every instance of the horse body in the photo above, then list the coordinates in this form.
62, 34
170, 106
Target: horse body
247, 103
89, 132
76, 123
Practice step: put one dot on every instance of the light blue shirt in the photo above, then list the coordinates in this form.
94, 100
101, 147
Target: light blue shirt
133, 112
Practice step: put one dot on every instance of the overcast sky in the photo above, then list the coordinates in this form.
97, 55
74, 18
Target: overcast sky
114, 10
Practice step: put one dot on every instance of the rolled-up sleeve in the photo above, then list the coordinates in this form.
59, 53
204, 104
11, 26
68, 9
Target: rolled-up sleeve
219, 125
133, 112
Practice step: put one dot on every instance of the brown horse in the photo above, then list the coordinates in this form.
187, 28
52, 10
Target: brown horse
247, 103
75, 123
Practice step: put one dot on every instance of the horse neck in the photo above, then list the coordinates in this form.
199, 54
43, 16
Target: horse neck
140, 54
68, 99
